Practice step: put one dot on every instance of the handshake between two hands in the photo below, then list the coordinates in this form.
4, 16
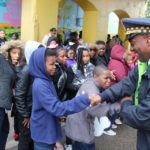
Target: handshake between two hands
94, 99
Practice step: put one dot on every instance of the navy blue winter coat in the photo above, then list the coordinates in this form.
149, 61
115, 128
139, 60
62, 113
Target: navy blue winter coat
138, 116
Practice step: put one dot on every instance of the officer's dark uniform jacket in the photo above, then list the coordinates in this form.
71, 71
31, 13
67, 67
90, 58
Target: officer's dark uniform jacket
138, 116
23, 95
7, 82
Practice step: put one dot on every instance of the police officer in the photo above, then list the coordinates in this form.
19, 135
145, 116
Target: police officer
136, 113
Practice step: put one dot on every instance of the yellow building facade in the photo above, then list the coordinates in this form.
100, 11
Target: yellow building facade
38, 16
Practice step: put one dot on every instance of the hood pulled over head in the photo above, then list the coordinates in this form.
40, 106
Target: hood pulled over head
37, 66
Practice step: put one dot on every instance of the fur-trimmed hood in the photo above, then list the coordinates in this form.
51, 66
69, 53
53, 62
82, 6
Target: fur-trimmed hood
5, 48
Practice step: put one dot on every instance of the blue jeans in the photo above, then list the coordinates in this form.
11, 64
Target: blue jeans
83, 146
4, 128
43, 146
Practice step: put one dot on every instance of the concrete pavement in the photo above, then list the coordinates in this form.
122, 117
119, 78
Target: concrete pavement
124, 140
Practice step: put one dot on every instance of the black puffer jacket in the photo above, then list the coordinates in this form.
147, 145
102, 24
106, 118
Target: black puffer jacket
7, 81
60, 80
23, 95
102, 60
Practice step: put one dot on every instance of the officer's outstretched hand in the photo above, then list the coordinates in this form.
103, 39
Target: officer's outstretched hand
94, 99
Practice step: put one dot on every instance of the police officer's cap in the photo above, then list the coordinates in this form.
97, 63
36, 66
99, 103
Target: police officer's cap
136, 26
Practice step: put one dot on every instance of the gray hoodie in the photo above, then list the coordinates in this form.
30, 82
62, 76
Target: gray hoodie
80, 126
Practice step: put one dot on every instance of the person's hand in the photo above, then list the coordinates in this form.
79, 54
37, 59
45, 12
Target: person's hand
113, 77
94, 99
26, 122
59, 146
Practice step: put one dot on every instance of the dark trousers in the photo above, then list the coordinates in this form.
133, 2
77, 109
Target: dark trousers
16, 124
4, 128
83, 146
15, 114
68, 141
112, 119
25, 141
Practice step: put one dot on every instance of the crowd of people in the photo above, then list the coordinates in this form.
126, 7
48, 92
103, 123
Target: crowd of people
88, 87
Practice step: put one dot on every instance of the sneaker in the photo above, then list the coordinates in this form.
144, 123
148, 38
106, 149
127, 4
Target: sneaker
114, 126
100, 125
118, 121
68, 147
16, 136
110, 132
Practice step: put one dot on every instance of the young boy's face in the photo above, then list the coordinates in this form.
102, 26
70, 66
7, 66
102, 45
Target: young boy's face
50, 65
104, 79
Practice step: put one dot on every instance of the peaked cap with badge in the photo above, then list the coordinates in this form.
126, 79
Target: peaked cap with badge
136, 26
